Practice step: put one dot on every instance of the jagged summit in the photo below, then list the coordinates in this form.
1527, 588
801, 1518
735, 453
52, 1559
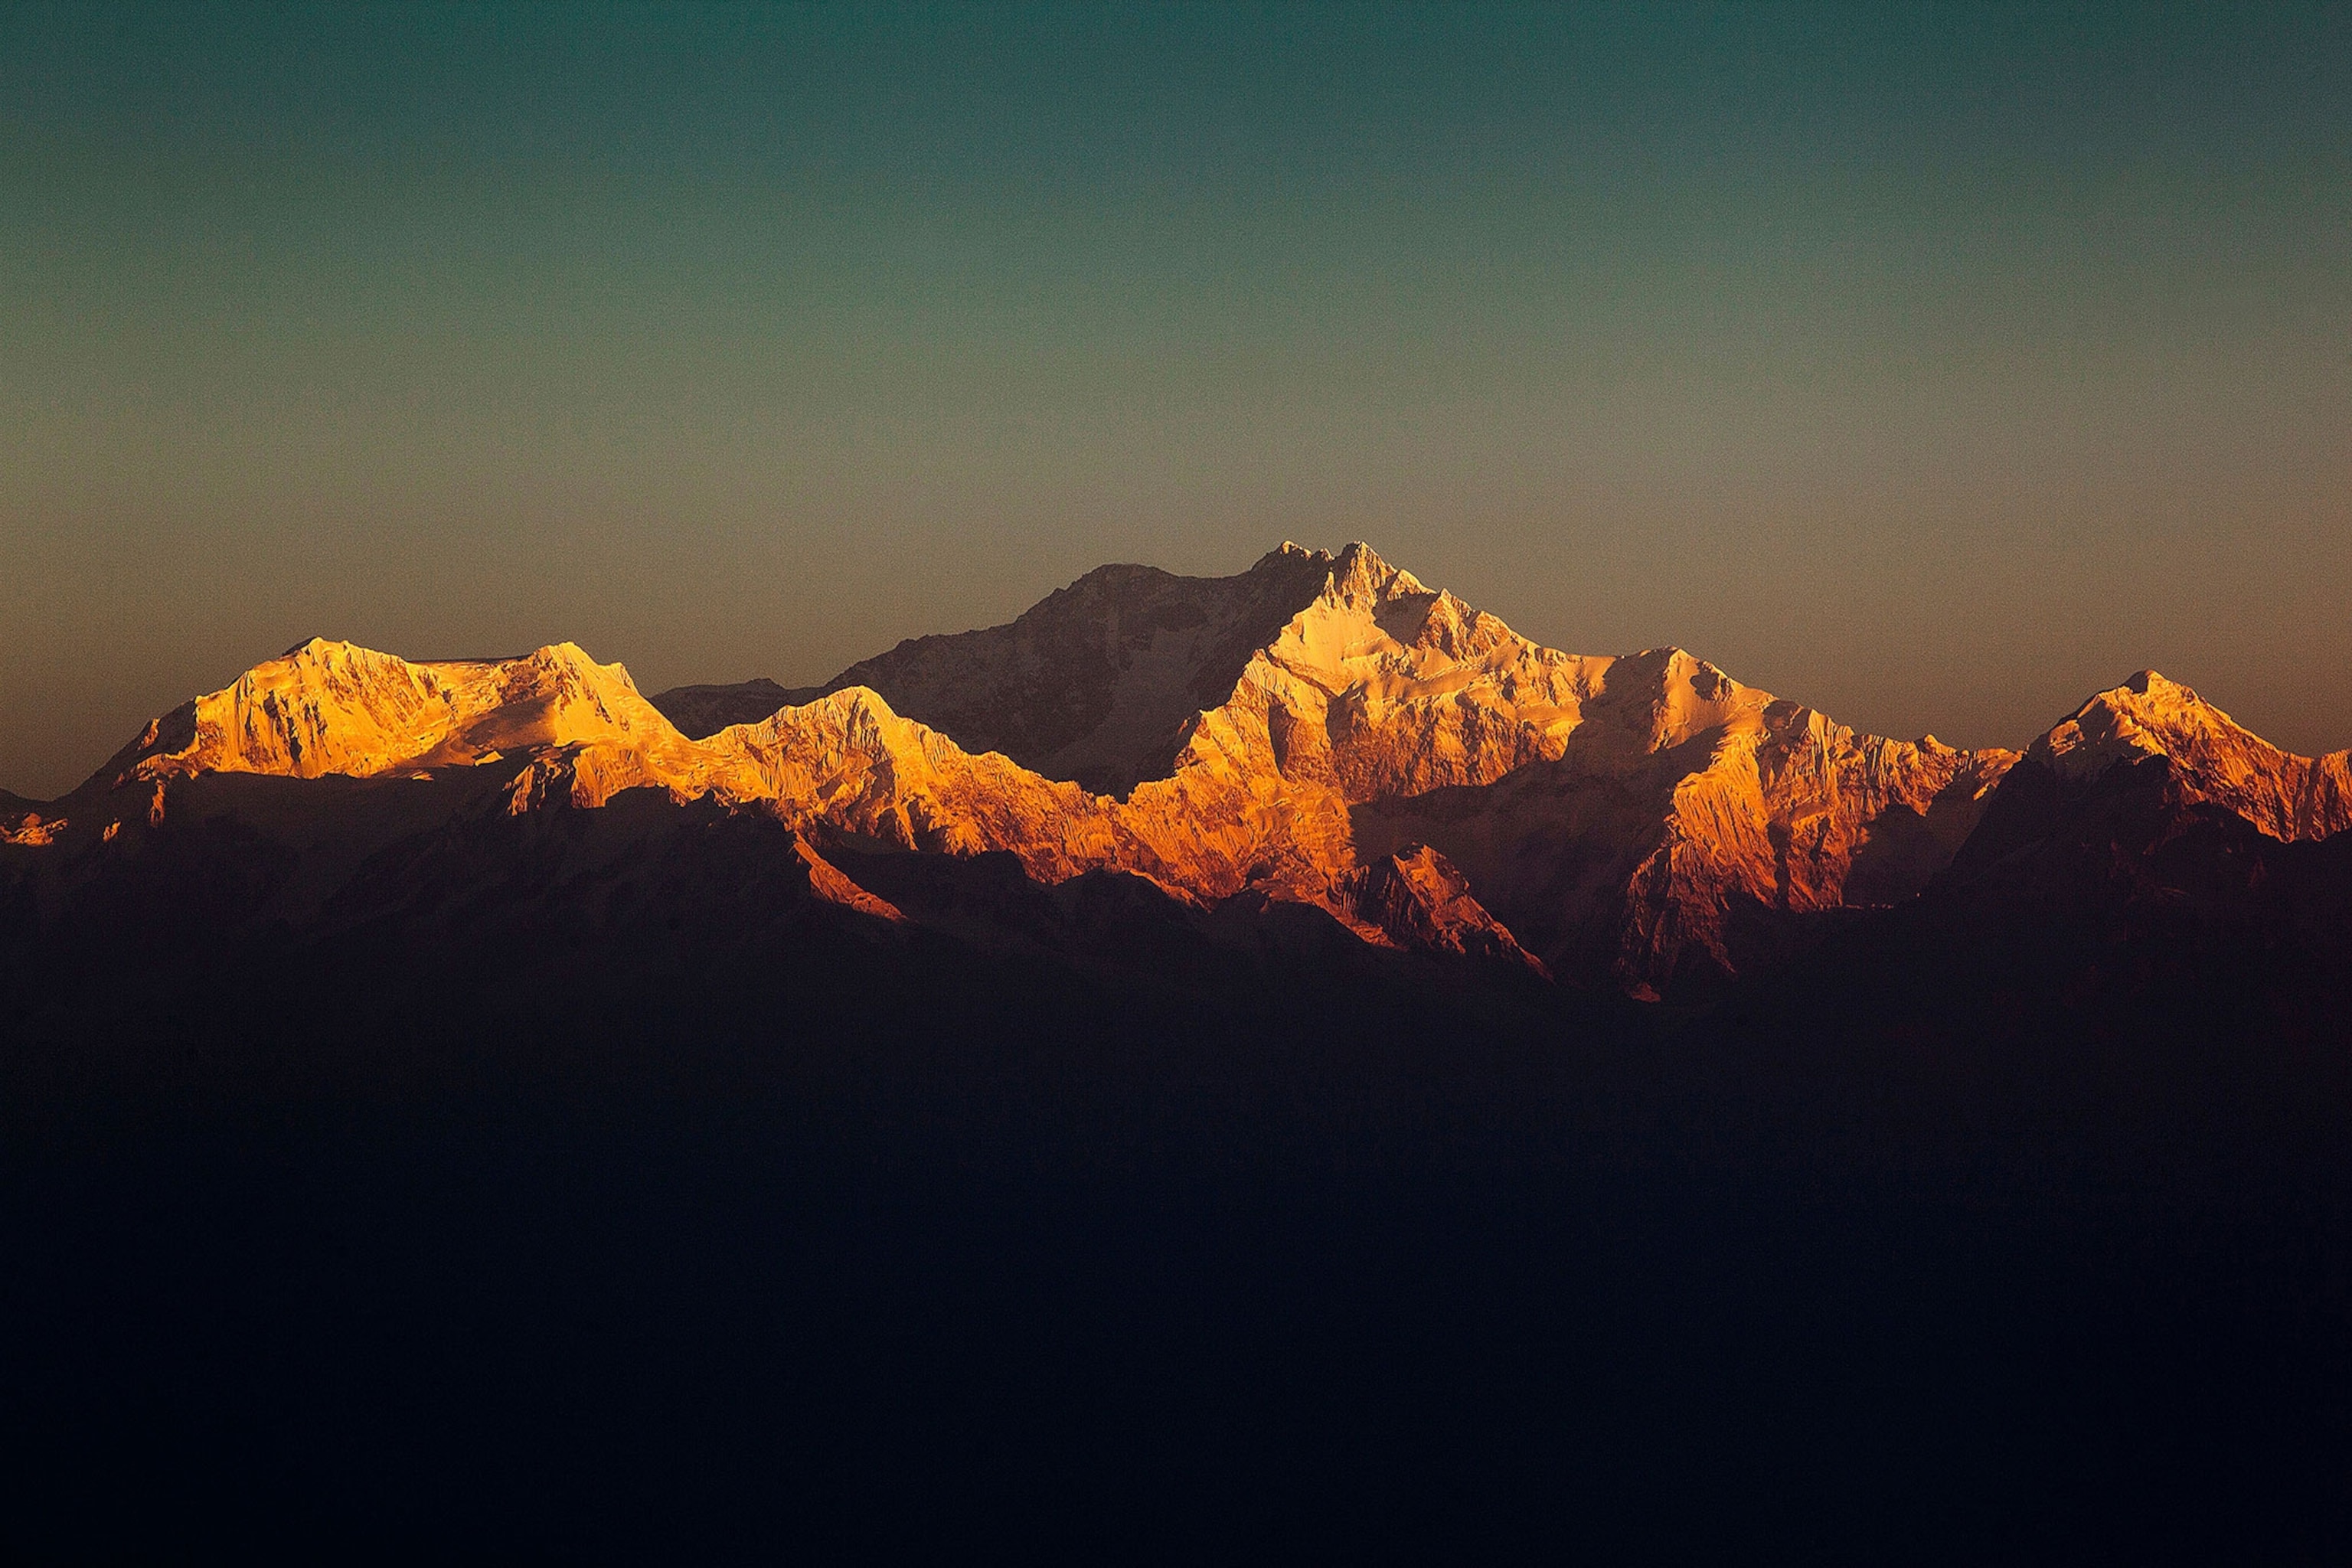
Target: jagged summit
1100, 681
1359, 574
2209, 756
1093, 684
1320, 728
2148, 794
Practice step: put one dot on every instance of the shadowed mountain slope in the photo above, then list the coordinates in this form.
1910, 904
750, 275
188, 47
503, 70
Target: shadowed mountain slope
701, 710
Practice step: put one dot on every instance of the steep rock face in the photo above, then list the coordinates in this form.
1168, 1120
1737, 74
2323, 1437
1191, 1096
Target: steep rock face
1379, 686
849, 763
1367, 681
1683, 803
1284, 729
576, 733
1418, 897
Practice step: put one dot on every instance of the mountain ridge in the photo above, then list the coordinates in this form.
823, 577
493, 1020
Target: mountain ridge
1320, 730
2149, 717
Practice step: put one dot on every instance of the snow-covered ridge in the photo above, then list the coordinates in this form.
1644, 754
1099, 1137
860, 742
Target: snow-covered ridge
334, 708
2211, 756
1321, 728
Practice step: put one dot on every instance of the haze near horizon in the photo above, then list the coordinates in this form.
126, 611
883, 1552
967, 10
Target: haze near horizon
1935, 371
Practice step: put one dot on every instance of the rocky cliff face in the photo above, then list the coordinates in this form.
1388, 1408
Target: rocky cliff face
1359, 677
560, 729
1683, 813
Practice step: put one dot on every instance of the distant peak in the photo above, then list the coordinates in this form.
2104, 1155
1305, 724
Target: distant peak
2211, 756
2146, 715
1290, 555
1357, 568
332, 651
1119, 572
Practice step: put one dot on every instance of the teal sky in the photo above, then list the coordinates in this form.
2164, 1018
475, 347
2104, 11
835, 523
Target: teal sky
1936, 370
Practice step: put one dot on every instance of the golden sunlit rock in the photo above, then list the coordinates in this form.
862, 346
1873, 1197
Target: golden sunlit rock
2212, 757
1373, 748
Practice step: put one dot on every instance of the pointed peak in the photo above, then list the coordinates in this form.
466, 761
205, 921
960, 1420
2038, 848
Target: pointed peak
1358, 573
851, 701
2146, 715
2149, 693
571, 658
1679, 663
2209, 756
2149, 683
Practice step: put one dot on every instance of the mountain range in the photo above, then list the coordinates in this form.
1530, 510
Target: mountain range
1281, 1058
1319, 750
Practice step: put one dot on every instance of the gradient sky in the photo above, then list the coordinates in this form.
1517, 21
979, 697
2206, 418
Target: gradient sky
1935, 370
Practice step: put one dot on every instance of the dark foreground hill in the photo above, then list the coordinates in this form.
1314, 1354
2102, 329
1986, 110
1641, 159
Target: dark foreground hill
700, 1222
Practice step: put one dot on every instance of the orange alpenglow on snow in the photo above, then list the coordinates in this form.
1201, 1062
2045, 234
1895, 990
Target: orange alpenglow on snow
2209, 757
1319, 730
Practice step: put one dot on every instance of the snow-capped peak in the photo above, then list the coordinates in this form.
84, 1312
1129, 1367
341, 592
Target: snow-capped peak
2211, 755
